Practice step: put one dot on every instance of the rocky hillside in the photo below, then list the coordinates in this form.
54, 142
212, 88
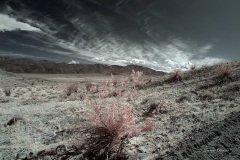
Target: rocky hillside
24, 65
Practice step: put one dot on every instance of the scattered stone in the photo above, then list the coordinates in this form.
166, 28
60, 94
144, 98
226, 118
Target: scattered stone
47, 158
22, 155
184, 98
207, 96
4, 101
14, 120
61, 149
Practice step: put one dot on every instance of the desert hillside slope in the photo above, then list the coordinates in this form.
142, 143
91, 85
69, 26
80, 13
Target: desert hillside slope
196, 115
24, 65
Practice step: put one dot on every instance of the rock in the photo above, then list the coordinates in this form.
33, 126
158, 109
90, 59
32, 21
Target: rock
41, 153
61, 149
47, 158
22, 155
14, 120
184, 98
31, 155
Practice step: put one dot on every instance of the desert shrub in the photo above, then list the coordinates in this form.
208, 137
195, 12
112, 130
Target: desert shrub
89, 85
136, 81
1, 98
192, 67
183, 98
151, 110
14, 120
71, 89
207, 96
111, 122
149, 80
115, 81
175, 76
233, 88
71, 97
162, 107
34, 96
224, 70
7, 91
95, 88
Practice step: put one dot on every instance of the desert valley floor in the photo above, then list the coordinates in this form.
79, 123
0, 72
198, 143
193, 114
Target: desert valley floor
198, 118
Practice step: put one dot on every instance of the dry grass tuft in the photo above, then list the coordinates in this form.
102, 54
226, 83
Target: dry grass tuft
71, 89
207, 96
192, 67
224, 70
115, 82
161, 107
183, 98
7, 91
89, 86
175, 76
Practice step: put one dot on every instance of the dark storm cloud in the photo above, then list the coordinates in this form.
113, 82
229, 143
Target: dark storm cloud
150, 33
205, 21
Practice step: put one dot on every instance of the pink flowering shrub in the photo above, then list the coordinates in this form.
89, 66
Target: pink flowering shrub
111, 121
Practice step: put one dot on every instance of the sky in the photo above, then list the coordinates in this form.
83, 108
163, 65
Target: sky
159, 34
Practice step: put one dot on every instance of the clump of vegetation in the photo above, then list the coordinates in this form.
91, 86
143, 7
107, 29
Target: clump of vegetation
162, 107
7, 91
192, 67
136, 80
224, 70
183, 98
82, 96
89, 86
71, 89
112, 122
207, 96
1, 98
95, 88
34, 96
115, 81
233, 88
175, 76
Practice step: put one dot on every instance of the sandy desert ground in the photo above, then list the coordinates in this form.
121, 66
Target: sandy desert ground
198, 118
